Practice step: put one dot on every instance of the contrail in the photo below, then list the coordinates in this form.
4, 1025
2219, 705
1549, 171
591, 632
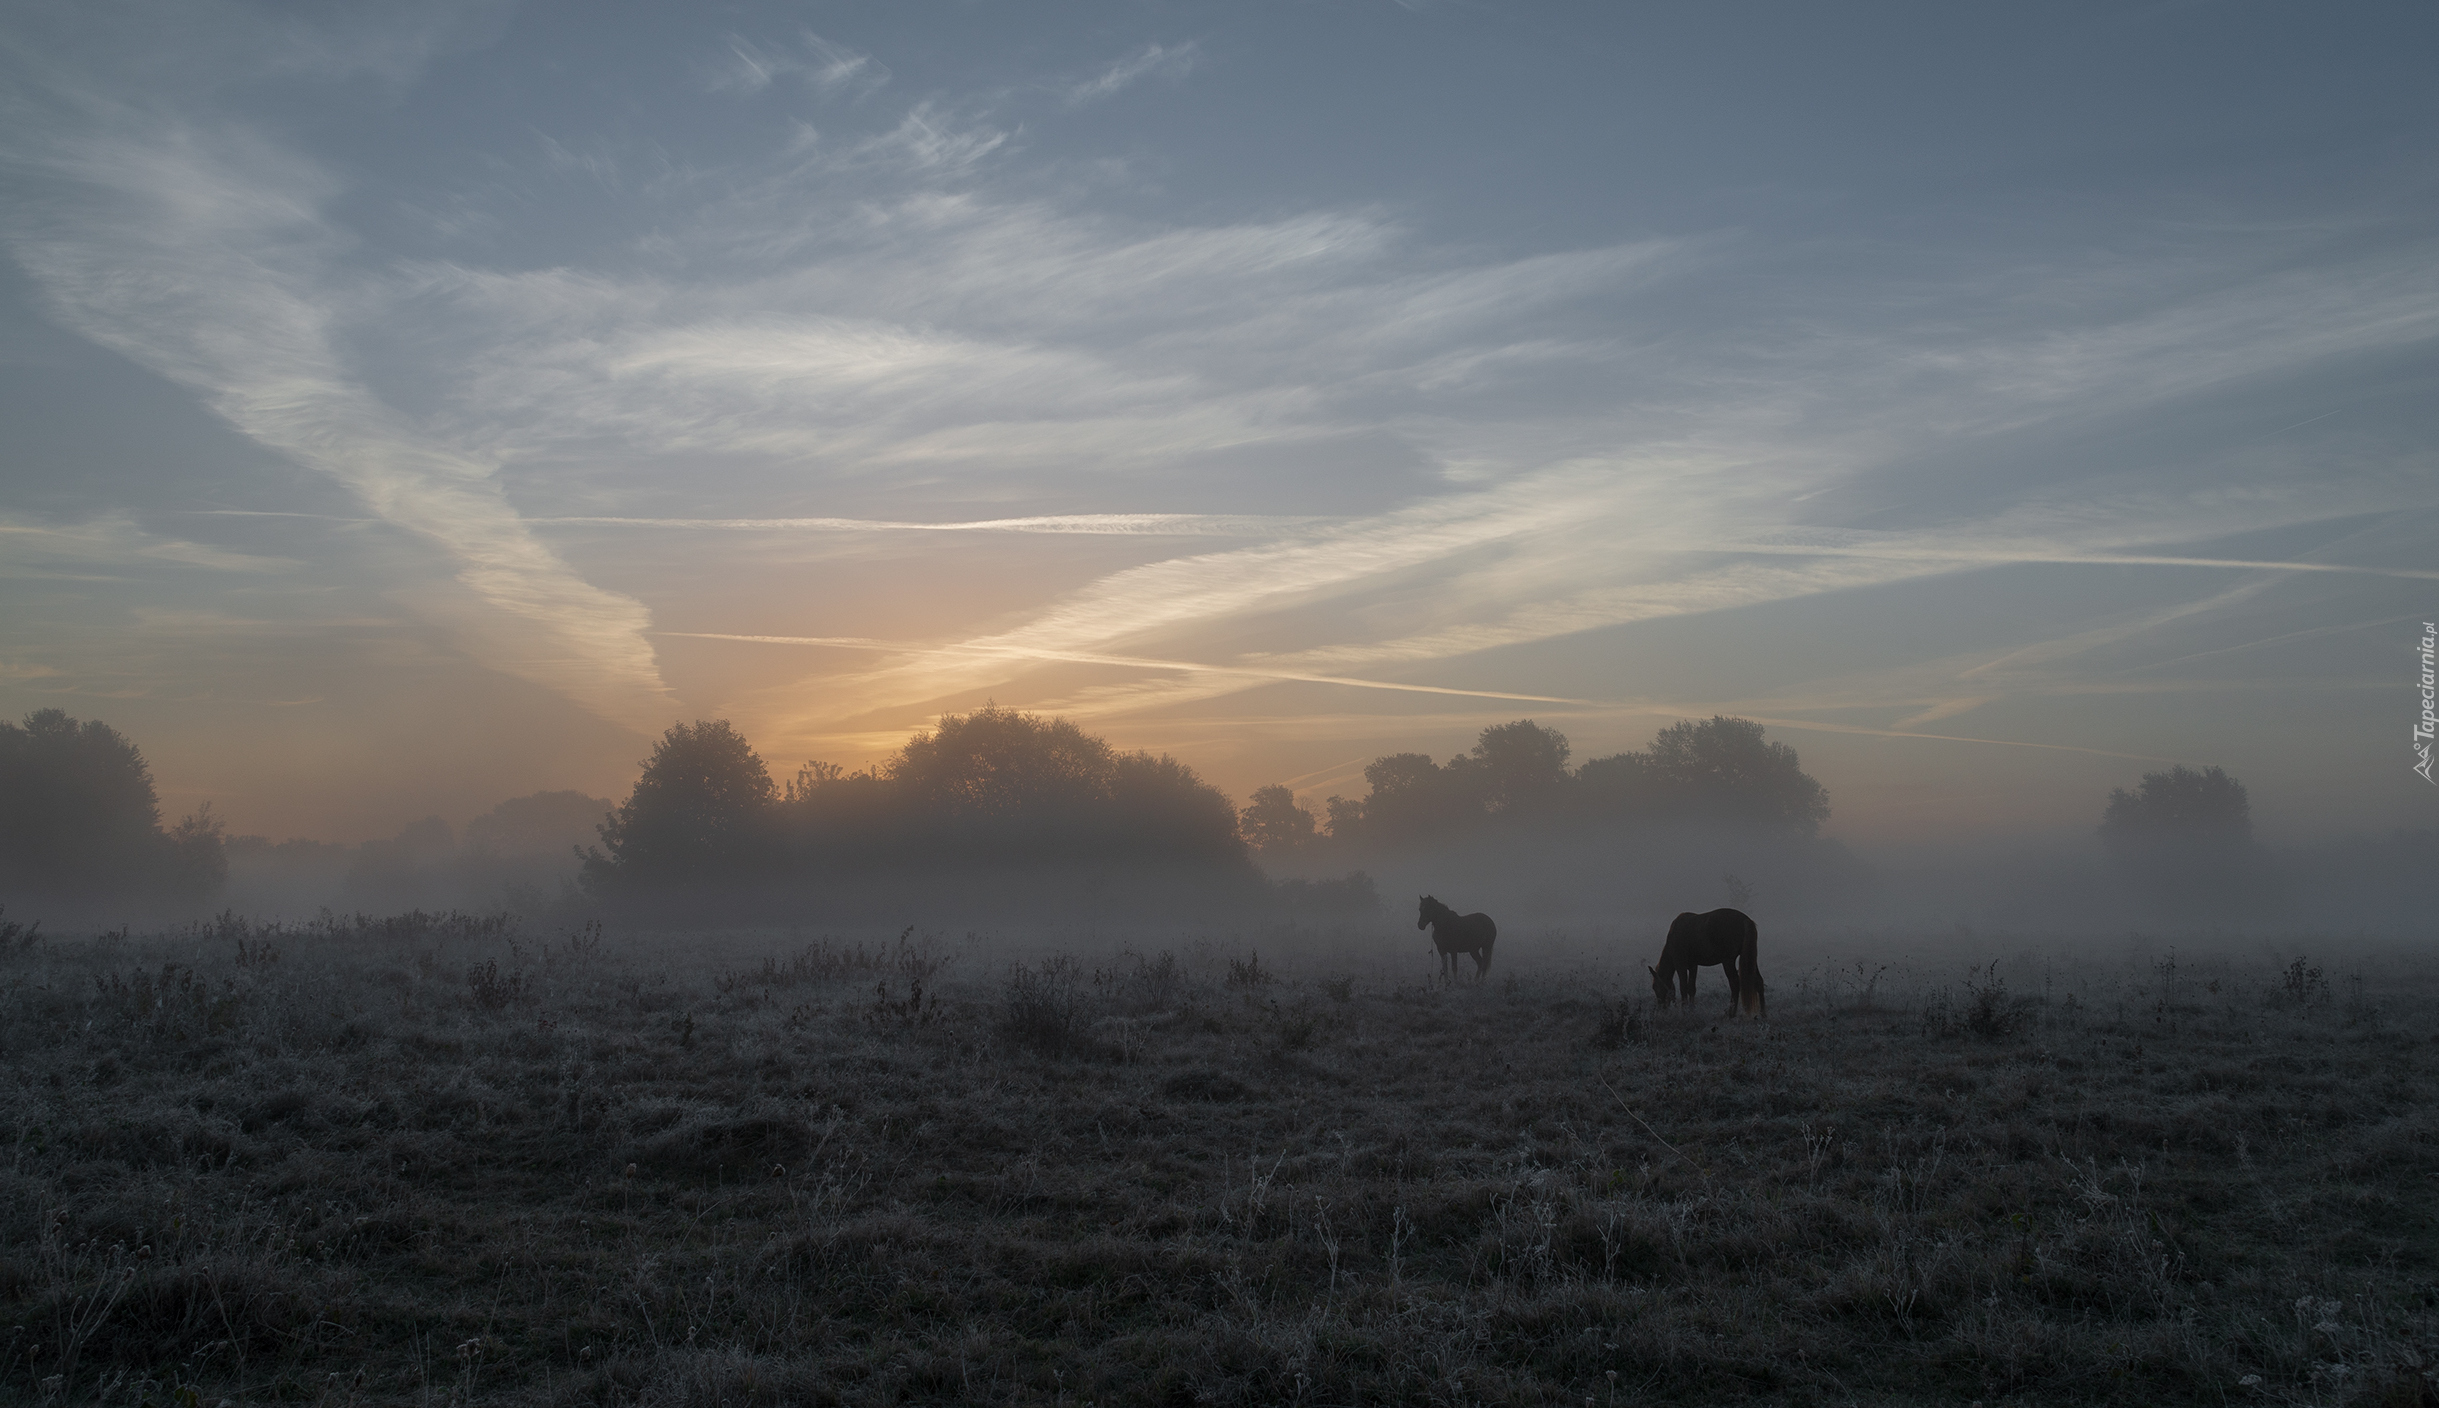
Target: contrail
2304, 422
1084, 657
1952, 738
275, 513
2002, 558
2274, 640
1333, 770
1189, 525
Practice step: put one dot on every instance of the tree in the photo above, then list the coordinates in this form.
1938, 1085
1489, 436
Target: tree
1414, 799
1162, 811
82, 818
1273, 823
81, 807
998, 786
1522, 768
997, 762
1623, 787
1717, 770
1721, 771
701, 813
2184, 839
199, 857
2180, 806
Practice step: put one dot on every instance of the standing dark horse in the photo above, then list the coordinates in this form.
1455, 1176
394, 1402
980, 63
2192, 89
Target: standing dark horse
1453, 933
1727, 937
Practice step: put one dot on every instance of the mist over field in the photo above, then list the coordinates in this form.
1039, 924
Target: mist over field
1019, 823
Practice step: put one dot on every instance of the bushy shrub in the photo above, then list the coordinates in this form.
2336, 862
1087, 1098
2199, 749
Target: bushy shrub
1989, 1011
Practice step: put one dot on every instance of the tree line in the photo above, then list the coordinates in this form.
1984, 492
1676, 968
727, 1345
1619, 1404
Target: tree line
998, 786
1001, 791
1717, 772
995, 788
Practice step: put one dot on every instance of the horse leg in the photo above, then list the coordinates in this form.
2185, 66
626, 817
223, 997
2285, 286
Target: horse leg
1755, 1003
1736, 984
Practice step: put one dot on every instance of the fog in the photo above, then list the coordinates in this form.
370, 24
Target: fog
1007, 823
1594, 881
519, 856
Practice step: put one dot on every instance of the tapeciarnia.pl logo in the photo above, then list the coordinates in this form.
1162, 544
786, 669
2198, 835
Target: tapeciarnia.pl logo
2428, 724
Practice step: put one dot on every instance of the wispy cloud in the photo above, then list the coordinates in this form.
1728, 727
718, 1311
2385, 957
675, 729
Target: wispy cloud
32, 548
932, 142
1419, 453
201, 253
1164, 60
1130, 525
1970, 555
747, 68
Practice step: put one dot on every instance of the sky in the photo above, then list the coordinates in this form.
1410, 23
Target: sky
413, 406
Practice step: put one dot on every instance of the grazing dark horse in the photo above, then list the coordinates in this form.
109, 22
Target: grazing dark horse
1453, 933
1727, 937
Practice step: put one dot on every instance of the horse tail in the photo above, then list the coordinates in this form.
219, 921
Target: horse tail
1755, 1001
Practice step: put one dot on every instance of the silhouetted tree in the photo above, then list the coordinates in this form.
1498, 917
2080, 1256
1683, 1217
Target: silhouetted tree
79, 818
997, 762
1273, 823
829, 811
699, 815
1718, 770
81, 805
1522, 768
199, 857
2184, 839
998, 786
1414, 799
1721, 771
1162, 810
1623, 787
2181, 806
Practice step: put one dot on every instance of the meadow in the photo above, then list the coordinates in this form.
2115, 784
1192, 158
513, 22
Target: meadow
446, 1159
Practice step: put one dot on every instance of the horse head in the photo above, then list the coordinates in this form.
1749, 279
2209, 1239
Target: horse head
1662, 992
1431, 909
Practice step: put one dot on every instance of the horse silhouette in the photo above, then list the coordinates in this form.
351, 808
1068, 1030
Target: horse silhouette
1727, 937
1453, 933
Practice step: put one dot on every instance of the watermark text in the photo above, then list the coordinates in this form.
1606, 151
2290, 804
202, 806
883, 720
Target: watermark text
2428, 725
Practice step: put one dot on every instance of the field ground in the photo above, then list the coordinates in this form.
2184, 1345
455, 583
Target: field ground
438, 1161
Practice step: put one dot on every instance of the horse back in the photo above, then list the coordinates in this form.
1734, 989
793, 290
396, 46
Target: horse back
1463, 933
1699, 940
